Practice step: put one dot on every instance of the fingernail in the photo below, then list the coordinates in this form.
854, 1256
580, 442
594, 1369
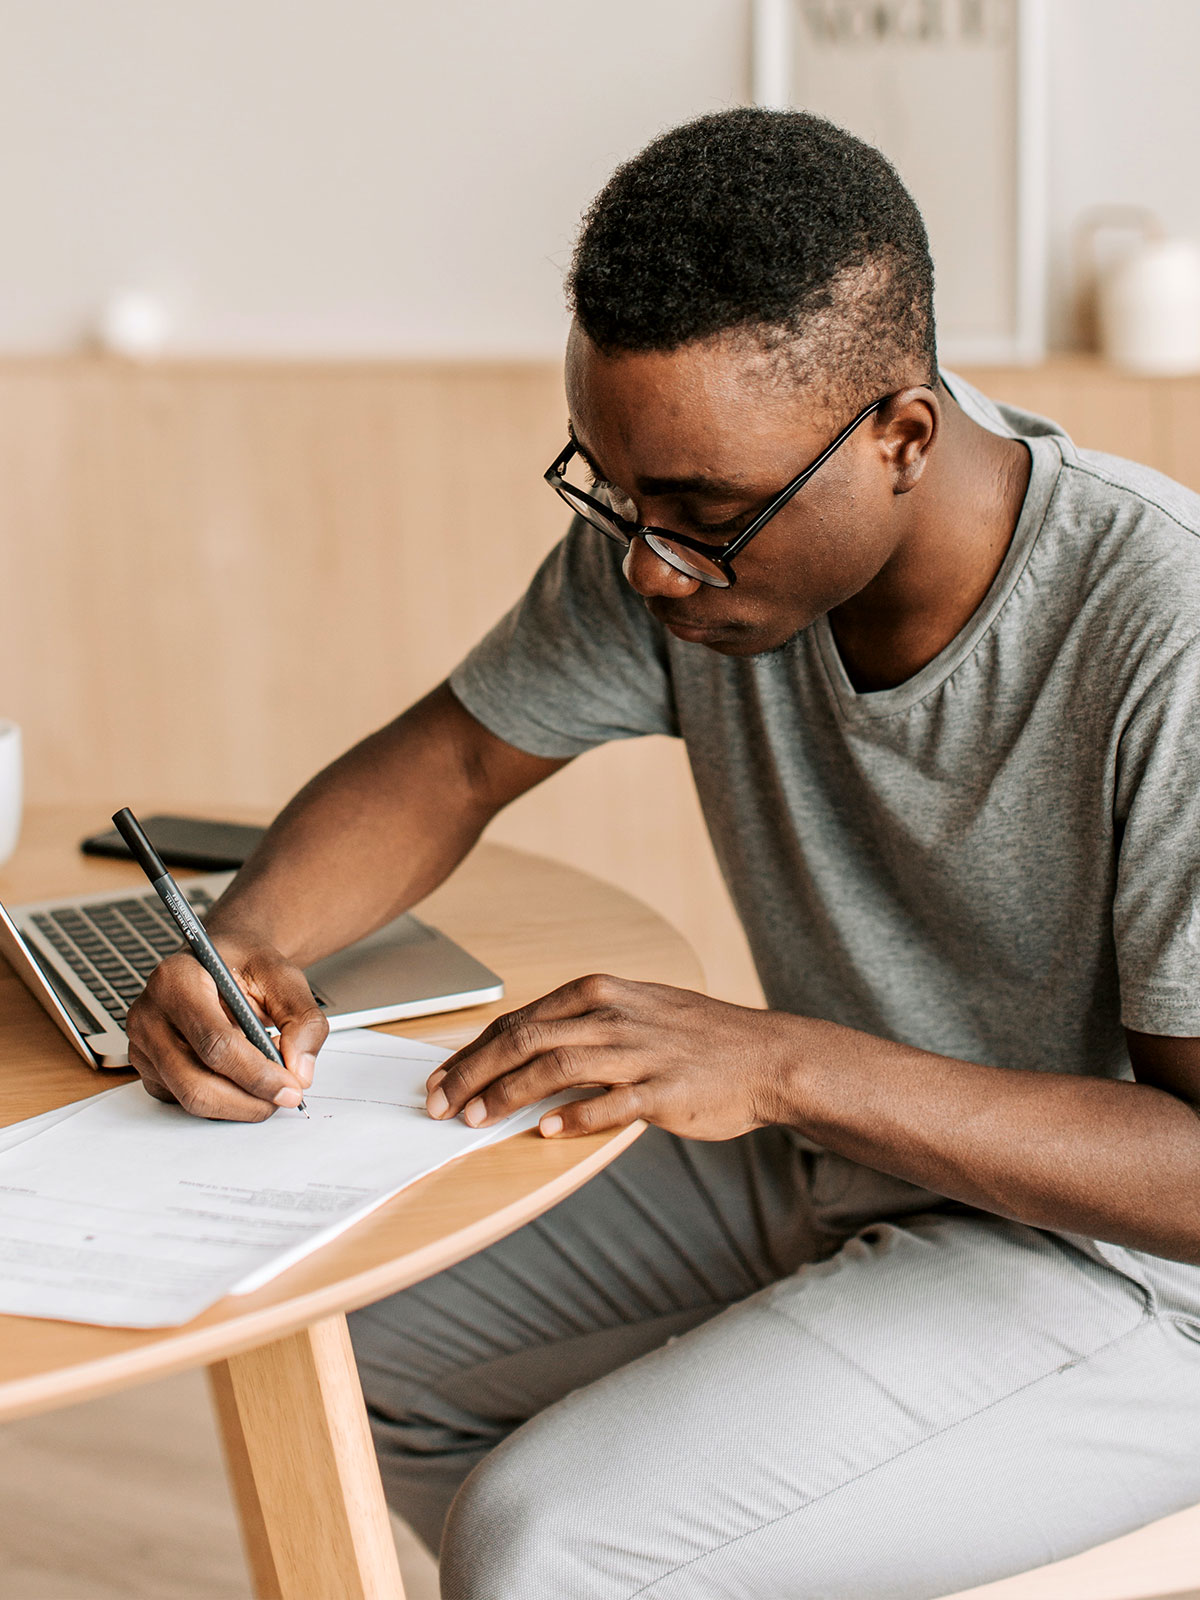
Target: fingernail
437, 1105
305, 1066
475, 1113
435, 1078
550, 1126
288, 1097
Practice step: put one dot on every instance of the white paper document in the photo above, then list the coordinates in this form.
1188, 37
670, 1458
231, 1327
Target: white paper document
124, 1211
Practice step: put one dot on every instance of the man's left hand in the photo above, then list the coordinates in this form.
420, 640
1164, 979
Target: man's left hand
697, 1067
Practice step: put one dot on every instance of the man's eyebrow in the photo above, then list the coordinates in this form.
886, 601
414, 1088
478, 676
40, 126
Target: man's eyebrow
696, 484
724, 487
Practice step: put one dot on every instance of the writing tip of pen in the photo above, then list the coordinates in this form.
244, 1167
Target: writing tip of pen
304, 1108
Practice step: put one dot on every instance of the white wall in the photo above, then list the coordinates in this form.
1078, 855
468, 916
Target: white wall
392, 177
358, 176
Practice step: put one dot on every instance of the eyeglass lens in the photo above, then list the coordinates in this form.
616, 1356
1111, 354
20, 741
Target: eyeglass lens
692, 563
589, 512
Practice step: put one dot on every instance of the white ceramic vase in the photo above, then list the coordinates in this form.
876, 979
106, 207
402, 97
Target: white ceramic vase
1149, 309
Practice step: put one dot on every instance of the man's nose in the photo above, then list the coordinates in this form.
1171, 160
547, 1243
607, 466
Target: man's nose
653, 577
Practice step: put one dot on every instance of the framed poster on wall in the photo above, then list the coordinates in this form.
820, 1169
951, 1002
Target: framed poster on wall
953, 92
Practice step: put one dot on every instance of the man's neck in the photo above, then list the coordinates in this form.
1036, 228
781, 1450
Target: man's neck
962, 518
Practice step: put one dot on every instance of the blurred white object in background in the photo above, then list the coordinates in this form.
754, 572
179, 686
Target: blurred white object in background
10, 788
1148, 307
134, 324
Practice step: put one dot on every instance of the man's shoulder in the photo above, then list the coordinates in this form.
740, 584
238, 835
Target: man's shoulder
1133, 535
1135, 492
1092, 480
1111, 525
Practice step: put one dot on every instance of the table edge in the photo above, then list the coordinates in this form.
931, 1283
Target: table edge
179, 1350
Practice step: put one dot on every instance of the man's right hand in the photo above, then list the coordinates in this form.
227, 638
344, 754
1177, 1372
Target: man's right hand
188, 1050
362, 841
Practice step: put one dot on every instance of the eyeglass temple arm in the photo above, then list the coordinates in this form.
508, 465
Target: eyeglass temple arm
797, 483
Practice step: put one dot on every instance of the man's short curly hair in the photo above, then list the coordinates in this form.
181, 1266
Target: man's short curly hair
774, 225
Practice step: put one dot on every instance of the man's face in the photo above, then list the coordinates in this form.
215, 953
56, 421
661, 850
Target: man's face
698, 440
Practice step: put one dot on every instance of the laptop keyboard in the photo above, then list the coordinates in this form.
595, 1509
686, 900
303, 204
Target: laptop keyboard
114, 946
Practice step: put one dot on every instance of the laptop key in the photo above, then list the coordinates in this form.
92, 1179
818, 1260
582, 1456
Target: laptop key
113, 946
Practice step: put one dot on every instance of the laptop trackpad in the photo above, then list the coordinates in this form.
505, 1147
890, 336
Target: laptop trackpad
403, 961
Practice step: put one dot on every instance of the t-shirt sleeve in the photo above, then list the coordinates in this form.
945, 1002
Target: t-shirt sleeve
576, 662
1156, 912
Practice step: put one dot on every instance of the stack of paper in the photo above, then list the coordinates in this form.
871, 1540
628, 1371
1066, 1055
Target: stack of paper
124, 1211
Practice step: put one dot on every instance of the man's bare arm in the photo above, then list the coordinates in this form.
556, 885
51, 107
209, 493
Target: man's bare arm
377, 830
365, 839
1109, 1159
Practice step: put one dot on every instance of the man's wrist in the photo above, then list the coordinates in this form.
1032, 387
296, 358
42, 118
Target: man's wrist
239, 926
780, 1086
810, 1078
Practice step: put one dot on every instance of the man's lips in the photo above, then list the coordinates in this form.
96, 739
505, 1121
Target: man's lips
693, 631
690, 628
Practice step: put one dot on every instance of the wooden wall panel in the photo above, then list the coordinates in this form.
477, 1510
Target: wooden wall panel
215, 577
221, 576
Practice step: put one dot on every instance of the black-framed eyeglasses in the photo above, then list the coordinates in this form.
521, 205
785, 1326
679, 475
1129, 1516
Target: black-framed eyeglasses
709, 563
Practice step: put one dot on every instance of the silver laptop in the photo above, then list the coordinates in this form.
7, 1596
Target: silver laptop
87, 959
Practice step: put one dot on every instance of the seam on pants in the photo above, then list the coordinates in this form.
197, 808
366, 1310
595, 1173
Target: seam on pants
937, 1433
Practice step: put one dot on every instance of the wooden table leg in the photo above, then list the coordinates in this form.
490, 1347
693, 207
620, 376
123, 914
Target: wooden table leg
303, 1470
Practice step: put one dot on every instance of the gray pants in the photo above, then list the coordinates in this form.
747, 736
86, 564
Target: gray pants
752, 1372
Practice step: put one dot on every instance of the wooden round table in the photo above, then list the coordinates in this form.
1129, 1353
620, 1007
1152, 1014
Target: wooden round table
283, 1376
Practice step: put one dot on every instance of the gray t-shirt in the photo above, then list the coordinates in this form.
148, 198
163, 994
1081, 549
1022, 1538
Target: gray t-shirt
998, 859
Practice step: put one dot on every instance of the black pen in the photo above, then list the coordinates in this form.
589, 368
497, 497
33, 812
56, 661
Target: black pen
192, 929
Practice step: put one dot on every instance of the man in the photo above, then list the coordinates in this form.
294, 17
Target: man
898, 1294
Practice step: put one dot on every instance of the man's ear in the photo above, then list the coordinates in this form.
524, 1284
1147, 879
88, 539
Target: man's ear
910, 423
